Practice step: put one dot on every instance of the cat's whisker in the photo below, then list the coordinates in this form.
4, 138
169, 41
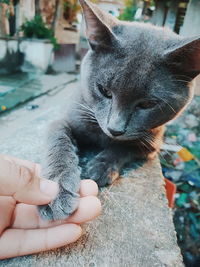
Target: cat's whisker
88, 114
159, 139
159, 153
83, 106
147, 138
168, 105
88, 118
145, 145
182, 97
141, 148
84, 111
150, 139
181, 75
173, 95
184, 81
160, 108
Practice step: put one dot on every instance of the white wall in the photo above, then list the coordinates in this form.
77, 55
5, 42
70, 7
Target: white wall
37, 55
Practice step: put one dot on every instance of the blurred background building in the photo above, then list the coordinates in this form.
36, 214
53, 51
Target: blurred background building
38, 24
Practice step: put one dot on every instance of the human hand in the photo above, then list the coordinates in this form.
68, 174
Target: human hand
22, 231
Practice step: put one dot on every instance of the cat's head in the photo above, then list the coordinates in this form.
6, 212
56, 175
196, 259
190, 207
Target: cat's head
135, 77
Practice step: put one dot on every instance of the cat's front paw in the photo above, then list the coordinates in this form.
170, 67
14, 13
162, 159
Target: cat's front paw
61, 207
102, 171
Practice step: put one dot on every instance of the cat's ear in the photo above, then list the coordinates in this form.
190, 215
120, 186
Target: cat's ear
185, 59
98, 26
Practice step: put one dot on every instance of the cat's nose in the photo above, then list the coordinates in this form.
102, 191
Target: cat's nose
116, 132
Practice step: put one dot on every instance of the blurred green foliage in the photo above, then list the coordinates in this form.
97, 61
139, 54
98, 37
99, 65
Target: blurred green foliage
186, 176
35, 28
5, 2
129, 10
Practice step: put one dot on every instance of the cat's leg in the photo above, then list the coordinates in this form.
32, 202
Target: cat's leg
105, 167
61, 165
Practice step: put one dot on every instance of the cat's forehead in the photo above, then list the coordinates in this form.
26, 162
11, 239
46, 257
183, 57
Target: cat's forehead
138, 45
125, 67
145, 36
136, 58
127, 78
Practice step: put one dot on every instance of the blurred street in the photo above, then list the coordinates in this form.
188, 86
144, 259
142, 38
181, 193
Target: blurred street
24, 127
18, 88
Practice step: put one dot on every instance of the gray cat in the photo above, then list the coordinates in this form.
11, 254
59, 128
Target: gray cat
134, 79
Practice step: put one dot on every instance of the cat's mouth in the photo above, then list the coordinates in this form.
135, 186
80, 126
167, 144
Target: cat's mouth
125, 136
121, 135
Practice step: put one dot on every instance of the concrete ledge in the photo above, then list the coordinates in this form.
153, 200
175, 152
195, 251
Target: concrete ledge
135, 228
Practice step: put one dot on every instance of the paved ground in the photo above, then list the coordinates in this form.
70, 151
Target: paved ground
135, 228
20, 87
13, 123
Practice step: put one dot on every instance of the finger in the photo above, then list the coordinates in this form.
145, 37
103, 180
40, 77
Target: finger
26, 216
7, 206
20, 179
23, 184
35, 167
23, 242
36, 191
88, 188
88, 209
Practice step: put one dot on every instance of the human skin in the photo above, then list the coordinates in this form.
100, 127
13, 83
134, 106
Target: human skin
22, 231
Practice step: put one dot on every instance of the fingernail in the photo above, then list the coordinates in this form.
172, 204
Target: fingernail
49, 188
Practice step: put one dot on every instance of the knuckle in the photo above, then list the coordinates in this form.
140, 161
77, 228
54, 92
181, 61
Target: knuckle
25, 176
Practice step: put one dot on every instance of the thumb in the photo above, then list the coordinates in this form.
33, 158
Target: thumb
23, 183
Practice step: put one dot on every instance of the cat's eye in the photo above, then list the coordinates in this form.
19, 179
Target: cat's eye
104, 91
146, 104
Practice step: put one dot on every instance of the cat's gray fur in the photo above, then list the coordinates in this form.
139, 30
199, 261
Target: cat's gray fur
148, 70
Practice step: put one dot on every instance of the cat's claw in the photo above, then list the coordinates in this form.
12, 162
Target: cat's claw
61, 207
102, 172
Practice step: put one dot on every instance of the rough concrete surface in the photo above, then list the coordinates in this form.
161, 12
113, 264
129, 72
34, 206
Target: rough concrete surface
135, 228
